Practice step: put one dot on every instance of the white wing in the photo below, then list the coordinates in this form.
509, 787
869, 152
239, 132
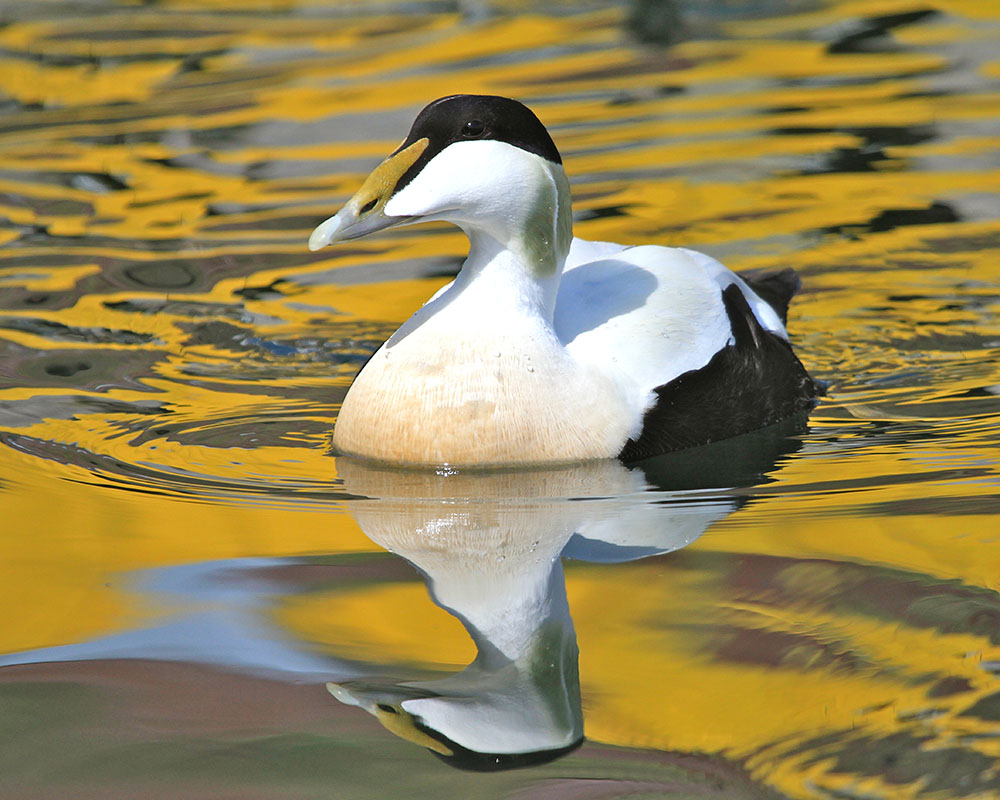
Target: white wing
646, 315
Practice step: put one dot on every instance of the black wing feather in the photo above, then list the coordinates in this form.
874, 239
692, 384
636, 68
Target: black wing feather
753, 382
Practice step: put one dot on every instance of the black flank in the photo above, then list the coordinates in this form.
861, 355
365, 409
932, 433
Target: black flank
755, 381
467, 117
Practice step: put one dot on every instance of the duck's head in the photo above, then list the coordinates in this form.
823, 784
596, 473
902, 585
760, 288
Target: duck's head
485, 728
484, 163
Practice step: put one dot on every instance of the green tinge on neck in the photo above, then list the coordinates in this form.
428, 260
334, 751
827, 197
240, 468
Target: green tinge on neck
548, 228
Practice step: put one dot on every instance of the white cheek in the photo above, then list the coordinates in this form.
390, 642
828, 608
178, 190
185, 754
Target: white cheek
466, 176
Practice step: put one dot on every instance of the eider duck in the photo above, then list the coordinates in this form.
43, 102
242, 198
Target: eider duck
546, 348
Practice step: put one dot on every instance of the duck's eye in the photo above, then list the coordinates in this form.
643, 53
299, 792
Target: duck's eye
474, 128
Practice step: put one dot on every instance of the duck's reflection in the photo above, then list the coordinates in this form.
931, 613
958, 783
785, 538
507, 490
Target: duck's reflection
490, 547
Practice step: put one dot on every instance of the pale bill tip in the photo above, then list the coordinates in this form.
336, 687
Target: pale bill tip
348, 699
341, 693
324, 233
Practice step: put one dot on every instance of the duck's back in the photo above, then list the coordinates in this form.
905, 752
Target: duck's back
699, 354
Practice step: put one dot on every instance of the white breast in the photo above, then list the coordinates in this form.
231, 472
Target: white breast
492, 390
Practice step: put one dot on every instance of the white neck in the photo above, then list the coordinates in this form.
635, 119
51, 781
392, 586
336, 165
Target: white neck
519, 234
498, 280
518, 258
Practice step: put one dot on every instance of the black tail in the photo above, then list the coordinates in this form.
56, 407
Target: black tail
775, 288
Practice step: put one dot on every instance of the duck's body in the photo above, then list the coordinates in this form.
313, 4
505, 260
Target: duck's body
547, 348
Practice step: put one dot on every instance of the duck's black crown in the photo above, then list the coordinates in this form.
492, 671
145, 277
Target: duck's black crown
466, 117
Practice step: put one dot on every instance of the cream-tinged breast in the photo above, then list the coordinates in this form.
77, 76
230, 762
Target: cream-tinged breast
480, 398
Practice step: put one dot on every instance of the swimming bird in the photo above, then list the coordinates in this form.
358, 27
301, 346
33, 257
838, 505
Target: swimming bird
548, 348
